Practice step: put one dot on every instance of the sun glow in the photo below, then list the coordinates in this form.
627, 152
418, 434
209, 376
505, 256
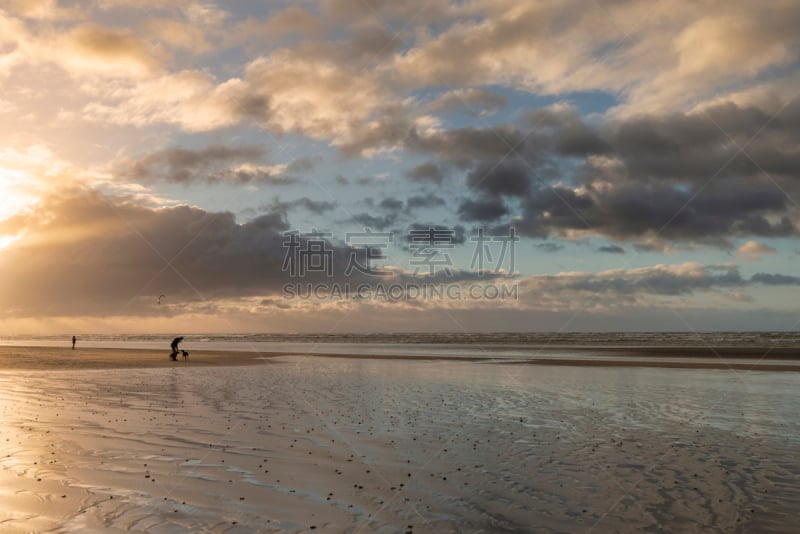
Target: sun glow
14, 194
6, 241
14, 197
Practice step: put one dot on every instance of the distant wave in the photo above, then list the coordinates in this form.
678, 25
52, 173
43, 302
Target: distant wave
577, 339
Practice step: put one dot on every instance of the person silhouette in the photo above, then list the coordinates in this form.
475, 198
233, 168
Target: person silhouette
174, 347
74, 339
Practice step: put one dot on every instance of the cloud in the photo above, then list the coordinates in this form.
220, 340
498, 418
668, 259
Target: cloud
87, 253
292, 20
214, 163
464, 146
247, 173
391, 204
90, 254
317, 207
506, 178
41, 9
611, 249
549, 247
191, 100
180, 34
426, 172
116, 51
653, 179
304, 164
768, 279
373, 222
569, 134
721, 48
472, 101
658, 211
420, 202
669, 177
656, 57
456, 235
754, 250
640, 290
353, 82
486, 210
617, 287
325, 100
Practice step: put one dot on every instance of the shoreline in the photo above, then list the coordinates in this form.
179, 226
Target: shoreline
56, 358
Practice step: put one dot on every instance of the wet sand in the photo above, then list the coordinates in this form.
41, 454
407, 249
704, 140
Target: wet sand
53, 358
387, 445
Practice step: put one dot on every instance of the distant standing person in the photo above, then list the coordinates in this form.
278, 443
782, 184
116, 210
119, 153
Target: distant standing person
74, 339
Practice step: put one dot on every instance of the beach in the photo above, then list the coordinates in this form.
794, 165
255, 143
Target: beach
125, 440
730, 358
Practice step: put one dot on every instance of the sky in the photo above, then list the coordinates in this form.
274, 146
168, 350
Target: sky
374, 165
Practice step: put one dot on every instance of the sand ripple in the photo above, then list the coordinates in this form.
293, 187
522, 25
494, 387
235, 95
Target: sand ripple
399, 446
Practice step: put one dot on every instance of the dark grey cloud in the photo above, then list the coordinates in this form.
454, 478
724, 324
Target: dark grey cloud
367, 180
314, 206
674, 177
254, 106
304, 165
385, 214
626, 287
122, 254
182, 165
549, 247
647, 247
373, 222
455, 235
391, 204
214, 164
420, 202
659, 280
482, 210
775, 279
426, 172
570, 135
465, 146
611, 249
508, 178
252, 175
633, 211
697, 146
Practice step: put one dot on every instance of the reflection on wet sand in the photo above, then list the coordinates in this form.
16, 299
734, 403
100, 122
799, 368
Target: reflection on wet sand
421, 446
